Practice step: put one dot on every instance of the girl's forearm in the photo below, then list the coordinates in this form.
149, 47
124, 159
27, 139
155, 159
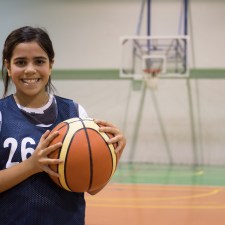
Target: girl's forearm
14, 175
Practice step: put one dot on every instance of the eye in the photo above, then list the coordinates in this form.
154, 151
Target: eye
20, 62
40, 61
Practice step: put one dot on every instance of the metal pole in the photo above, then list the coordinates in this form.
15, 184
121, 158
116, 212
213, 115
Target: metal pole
148, 17
185, 17
149, 29
185, 31
138, 30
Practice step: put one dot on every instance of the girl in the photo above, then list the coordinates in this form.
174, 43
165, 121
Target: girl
27, 195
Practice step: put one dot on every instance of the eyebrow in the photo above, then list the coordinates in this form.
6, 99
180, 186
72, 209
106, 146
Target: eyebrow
41, 57
38, 57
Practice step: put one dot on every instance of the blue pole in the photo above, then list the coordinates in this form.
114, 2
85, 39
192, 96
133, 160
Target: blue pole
148, 17
185, 31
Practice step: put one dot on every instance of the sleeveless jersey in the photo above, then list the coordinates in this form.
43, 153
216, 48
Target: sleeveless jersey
37, 200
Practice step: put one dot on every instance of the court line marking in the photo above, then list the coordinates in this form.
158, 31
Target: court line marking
157, 207
174, 174
214, 192
144, 200
116, 186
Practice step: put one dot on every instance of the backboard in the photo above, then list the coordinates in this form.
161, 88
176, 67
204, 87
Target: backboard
167, 54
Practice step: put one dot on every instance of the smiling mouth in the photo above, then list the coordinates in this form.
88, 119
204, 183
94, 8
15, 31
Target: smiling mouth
30, 81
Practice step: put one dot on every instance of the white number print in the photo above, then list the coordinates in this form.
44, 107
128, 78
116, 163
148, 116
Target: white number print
26, 152
13, 144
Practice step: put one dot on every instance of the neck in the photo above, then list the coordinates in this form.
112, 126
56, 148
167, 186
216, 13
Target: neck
32, 101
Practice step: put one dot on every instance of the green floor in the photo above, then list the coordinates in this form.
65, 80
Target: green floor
165, 174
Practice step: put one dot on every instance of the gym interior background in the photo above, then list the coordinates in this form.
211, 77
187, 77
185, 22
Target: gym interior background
183, 121
175, 134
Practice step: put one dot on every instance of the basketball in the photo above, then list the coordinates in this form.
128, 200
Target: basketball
89, 161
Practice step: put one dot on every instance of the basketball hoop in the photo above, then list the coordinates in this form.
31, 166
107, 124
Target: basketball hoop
152, 71
169, 53
151, 77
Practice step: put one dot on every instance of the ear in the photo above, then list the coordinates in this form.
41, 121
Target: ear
51, 66
7, 66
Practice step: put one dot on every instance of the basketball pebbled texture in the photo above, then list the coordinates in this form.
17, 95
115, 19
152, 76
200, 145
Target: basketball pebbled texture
89, 161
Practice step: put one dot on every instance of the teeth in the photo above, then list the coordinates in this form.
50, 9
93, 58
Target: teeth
30, 81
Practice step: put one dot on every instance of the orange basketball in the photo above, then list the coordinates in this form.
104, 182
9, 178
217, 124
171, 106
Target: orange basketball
89, 161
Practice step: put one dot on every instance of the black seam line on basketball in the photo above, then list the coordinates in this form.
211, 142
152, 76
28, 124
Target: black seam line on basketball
90, 154
66, 123
61, 150
63, 125
83, 119
67, 156
109, 151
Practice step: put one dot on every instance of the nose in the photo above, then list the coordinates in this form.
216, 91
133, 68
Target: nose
30, 69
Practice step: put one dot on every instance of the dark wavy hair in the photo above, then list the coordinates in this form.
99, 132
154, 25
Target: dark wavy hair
23, 35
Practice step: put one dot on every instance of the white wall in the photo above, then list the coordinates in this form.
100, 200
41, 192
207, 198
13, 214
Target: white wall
182, 122
86, 33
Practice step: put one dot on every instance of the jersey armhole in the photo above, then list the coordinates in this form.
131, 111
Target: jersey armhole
82, 112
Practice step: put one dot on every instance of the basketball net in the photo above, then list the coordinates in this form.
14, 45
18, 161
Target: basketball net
151, 77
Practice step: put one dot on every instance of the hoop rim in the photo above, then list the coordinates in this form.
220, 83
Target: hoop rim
152, 70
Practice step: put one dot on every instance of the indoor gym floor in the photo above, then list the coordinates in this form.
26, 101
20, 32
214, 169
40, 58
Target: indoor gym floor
144, 194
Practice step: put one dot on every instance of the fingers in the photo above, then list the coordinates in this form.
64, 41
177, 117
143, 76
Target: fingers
45, 135
121, 145
118, 136
112, 130
104, 123
51, 148
47, 138
107, 127
43, 151
47, 162
48, 170
120, 140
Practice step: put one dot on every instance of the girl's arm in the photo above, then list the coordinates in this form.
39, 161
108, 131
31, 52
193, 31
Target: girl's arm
38, 162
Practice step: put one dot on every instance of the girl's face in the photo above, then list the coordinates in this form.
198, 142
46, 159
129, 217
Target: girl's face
29, 69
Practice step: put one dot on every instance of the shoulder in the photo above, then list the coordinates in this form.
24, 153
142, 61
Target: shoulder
7, 101
2, 103
7, 105
62, 99
80, 109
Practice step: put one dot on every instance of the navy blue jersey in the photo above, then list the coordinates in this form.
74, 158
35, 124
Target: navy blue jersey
37, 200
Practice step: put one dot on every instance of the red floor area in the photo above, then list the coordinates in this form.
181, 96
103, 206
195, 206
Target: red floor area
135, 204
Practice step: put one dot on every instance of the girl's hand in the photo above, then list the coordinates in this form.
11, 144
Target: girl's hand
40, 159
118, 136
